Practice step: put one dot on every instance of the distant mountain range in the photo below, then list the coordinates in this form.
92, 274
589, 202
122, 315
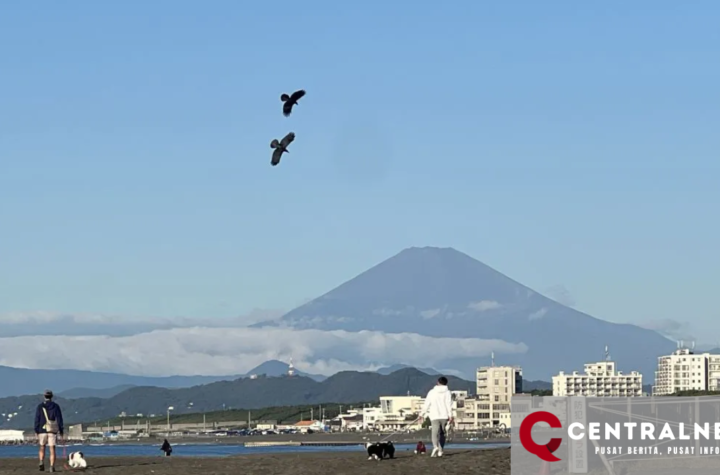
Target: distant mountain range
76, 383
441, 292
245, 393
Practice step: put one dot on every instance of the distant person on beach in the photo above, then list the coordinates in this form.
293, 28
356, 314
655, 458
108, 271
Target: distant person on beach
438, 406
420, 448
166, 448
48, 426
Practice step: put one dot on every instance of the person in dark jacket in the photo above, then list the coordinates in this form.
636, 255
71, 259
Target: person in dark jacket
166, 448
48, 426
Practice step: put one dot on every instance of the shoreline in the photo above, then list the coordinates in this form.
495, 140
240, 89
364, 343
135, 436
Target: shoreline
314, 439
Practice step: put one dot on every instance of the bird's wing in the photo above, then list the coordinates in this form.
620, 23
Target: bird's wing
297, 95
276, 157
288, 139
274, 143
287, 108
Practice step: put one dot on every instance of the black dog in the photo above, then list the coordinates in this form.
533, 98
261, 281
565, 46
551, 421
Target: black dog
380, 450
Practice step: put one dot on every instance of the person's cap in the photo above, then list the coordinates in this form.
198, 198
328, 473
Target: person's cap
48, 394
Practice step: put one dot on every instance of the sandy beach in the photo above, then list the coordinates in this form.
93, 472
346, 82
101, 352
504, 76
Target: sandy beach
360, 437
457, 461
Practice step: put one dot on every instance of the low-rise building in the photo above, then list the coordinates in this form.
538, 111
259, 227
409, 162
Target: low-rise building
481, 413
600, 379
12, 436
371, 415
305, 426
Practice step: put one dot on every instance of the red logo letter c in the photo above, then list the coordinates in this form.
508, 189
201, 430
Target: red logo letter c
545, 452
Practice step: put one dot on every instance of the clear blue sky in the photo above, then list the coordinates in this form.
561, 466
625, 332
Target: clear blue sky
560, 142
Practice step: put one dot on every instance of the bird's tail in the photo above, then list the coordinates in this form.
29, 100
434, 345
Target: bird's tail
284, 98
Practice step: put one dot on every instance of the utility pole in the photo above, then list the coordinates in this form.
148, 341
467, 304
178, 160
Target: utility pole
311, 413
204, 427
249, 419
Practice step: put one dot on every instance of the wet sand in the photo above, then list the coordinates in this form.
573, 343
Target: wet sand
457, 461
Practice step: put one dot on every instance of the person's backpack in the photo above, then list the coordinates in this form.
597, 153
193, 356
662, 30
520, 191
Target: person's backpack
51, 427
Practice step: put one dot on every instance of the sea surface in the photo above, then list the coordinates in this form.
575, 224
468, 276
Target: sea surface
199, 450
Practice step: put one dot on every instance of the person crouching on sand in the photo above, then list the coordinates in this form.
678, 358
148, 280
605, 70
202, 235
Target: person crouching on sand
166, 448
420, 448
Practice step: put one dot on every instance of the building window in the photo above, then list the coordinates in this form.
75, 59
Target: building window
496, 382
497, 398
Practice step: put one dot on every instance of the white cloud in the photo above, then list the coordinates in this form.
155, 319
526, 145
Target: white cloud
538, 314
428, 314
484, 305
54, 323
227, 351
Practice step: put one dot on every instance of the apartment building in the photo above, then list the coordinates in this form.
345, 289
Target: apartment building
478, 413
491, 406
599, 379
498, 383
686, 371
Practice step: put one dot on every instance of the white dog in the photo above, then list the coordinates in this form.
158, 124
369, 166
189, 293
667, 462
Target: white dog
77, 460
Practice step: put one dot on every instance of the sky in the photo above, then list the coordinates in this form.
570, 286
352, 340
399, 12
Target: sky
573, 147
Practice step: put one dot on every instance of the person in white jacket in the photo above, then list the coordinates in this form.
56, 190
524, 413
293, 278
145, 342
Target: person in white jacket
438, 406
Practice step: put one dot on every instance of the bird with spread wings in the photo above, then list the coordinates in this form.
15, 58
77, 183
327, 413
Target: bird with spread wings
290, 101
280, 147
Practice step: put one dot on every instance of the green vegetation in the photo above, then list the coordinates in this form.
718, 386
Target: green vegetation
693, 393
281, 415
540, 392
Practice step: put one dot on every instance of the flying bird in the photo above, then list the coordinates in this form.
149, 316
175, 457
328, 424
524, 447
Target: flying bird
290, 101
281, 147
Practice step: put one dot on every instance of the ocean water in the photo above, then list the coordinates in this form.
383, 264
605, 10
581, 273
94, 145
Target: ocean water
199, 450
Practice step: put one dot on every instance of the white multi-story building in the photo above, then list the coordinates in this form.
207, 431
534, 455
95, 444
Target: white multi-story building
599, 380
686, 371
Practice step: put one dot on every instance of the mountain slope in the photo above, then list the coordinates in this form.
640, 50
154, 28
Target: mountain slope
246, 393
74, 384
103, 393
33, 381
442, 292
397, 367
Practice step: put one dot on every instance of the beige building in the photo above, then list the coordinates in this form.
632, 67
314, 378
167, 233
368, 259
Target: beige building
398, 412
491, 406
599, 380
478, 413
686, 371
498, 383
